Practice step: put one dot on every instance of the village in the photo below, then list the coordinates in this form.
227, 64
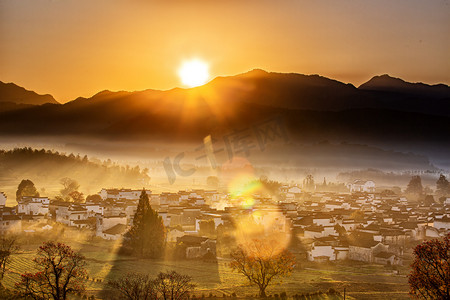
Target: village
360, 225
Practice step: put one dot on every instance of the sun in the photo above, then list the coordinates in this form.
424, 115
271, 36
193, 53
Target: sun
194, 73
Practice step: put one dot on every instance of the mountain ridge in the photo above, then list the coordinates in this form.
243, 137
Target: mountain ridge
388, 83
11, 92
313, 106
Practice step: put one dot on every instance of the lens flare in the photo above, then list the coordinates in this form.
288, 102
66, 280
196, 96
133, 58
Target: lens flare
258, 218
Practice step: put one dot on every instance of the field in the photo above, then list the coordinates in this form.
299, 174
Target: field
360, 281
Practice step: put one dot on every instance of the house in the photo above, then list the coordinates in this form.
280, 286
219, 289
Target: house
60, 211
321, 251
75, 213
365, 186
387, 258
10, 223
122, 194
2, 199
442, 223
115, 232
365, 249
189, 215
334, 205
93, 208
293, 192
341, 251
322, 219
106, 222
314, 232
171, 198
198, 247
348, 224
393, 236
430, 232
33, 205
88, 223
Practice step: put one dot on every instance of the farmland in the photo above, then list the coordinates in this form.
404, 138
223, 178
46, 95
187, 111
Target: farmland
361, 281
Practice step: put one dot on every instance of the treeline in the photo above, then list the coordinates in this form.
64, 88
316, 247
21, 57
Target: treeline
47, 167
386, 178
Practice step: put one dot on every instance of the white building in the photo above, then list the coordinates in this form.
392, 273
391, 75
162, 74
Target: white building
442, 223
293, 192
323, 220
321, 252
115, 232
117, 194
10, 223
2, 199
94, 208
366, 186
105, 223
33, 205
364, 250
70, 214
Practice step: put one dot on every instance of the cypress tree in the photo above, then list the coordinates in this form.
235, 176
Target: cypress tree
146, 237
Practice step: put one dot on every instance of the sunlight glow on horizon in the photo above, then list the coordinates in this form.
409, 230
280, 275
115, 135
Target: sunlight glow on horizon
194, 73
147, 42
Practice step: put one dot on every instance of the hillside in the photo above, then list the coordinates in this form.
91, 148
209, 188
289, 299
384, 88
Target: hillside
13, 96
386, 83
313, 107
46, 168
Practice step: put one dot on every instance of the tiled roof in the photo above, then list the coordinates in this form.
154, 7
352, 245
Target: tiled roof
116, 229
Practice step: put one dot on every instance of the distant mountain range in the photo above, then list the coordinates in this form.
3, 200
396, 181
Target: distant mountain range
313, 107
13, 97
314, 92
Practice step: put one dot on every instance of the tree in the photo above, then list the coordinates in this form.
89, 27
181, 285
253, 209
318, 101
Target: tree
173, 286
61, 272
134, 286
430, 275
442, 186
26, 188
94, 198
415, 186
272, 186
69, 185
146, 237
261, 262
308, 183
428, 200
8, 246
77, 196
212, 181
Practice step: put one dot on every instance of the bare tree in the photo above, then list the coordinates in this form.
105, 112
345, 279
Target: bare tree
261, 262
134, 286
173, 286
8, 246
69, 185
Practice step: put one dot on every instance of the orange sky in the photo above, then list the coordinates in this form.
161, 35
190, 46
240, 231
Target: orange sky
72, 48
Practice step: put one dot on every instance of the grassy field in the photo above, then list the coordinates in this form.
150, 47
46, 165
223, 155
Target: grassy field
360, 281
